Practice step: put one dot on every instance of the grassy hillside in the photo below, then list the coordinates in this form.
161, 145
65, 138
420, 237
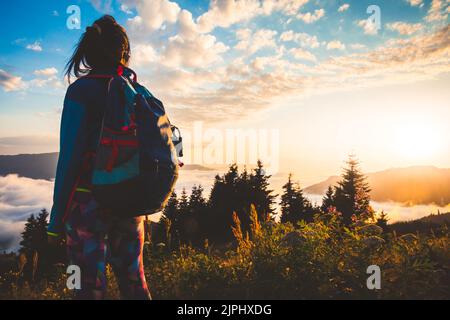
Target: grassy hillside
426, 225
322, 259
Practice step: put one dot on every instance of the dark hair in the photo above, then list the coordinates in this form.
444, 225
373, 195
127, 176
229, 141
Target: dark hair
103, 45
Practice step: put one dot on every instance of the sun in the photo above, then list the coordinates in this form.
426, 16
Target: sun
416, 140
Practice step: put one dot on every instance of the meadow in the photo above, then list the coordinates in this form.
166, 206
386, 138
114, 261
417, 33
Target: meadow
322, 259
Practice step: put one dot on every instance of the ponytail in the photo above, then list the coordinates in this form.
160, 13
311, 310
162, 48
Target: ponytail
104, 44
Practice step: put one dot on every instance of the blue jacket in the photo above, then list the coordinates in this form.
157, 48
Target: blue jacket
81, 120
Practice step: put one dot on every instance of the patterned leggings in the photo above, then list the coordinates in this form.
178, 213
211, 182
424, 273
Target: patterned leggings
95, 237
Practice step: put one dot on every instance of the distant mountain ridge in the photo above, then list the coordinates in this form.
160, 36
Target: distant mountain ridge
410, 185
35, 166
43, 165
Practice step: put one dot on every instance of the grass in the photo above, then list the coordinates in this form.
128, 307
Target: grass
320, 260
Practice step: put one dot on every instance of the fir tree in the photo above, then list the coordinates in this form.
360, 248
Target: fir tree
196, 216
170, 221
352, 195
261, 196
382, 221
294, 206
328, 200
35, 247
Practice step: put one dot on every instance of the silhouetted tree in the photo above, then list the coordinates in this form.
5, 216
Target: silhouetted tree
222, 202
170, 221
234, 192
382, 221
328, 200
352, 192
183, 211
34, 246
261, 196
196, 216
171, 209
294, 206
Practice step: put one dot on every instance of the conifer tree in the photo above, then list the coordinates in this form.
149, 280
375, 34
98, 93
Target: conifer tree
328, 200
352, 195
382, 221
196, 216
34, 245
261, 196
170, 222
294, 205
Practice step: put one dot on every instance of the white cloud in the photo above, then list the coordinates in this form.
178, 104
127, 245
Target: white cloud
221, 13
200, 51
368, 26
344, 7
438, 11
302, 54
153, 14
357, 46
404, 28
415, 3
335, 44
304, 39
260, 63
10, 82
46, 72
252, 42
224, 13
19, 198
103, 6
46, 78
35, 46
52, 82
311, 17
143, 54
124, 8
289, 7
187, 48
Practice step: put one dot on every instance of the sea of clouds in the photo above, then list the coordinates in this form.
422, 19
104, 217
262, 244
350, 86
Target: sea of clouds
19, 198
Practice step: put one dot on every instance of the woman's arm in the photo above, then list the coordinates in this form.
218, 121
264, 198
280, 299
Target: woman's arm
73, 136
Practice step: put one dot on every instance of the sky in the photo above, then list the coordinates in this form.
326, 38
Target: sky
311, 81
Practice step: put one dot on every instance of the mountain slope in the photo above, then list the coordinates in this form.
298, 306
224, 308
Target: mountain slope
43, 165
35, 166
411, 185
434, 223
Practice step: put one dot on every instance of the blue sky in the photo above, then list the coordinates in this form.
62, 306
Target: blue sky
262, 64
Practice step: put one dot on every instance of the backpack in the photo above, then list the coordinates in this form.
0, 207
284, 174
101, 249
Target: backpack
135, 166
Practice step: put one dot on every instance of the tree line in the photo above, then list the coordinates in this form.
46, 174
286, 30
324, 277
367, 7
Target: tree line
195, 219
201, 221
